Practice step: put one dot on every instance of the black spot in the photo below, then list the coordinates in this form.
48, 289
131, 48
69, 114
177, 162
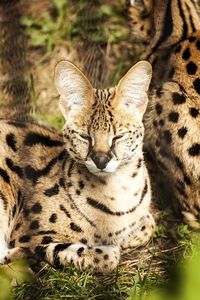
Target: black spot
179, 163
139, 164
96, 260
97, 236
187, 180
191, 68
198, 44
78, 192
194, 112
12, 244
161, 122
186, 54
178, 98
65, 211
4, 175
167, 136
18, 225
62, 182
52, 191
143, 228
173, 117
80, 251
194, 150
134, 174
75, 227
53, 218
25, 239
192, 39
34, 138
106, 257
34, 224
36, 208
182, 132
84, 241
159, 108
81, 184
16, 169
11, 141
97, 250
155, 123
196, 85
177, 49
47, 240
159, 92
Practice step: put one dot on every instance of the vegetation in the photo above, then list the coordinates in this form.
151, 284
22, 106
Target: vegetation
169, 266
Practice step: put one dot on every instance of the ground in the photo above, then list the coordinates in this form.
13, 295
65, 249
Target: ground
54, 32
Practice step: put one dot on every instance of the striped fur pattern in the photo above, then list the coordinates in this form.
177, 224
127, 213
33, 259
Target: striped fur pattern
173, 115
81, 197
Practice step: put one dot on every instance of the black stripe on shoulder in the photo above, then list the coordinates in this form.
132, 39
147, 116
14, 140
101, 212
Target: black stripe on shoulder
11, 141
4, 175
185, 26
14, 168
190, 16
167, 28
35, 174
34, 138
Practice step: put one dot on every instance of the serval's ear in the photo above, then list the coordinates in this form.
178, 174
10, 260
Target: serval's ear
74, 88
131, 91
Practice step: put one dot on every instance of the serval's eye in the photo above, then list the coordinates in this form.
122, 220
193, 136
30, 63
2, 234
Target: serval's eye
118, 137
85, 137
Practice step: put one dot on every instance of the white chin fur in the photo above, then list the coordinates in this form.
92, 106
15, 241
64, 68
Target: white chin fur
110, 168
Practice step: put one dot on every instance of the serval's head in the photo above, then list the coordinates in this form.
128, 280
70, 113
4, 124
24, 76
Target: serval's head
103, 128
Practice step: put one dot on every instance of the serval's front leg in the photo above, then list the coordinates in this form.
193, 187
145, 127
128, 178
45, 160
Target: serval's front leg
97, 258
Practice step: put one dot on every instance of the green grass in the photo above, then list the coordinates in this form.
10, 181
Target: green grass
143, 273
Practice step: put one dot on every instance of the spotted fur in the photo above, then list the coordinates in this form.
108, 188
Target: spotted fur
173, 116
81, 197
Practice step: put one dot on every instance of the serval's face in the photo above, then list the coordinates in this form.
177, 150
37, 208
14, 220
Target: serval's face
103, 128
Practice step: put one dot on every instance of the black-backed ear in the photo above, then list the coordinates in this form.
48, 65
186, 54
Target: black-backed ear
131, 91
74, 88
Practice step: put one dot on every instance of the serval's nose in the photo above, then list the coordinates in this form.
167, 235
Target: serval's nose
101, 159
